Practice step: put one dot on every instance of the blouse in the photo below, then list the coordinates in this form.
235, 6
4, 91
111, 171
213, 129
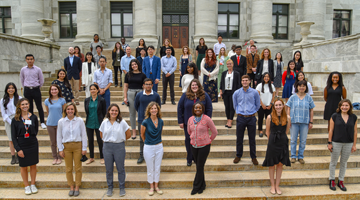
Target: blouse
201, 49
265, 66
185, 81
114, 133
71, 131
152, 133
310, 91
92, 121
55, 111
300, 109
10, 110
65, 91
266, 97
229, 79
136, 81
343, 132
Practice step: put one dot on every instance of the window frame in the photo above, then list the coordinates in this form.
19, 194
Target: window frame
228, 13
3, 17
277, 14
70, 13
341, 20
121, 12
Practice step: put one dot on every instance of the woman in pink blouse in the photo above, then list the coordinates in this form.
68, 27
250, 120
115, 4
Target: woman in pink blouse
198, 128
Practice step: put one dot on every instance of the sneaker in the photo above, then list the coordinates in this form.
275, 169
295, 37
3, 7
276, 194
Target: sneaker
34, 190
341, 185
109, 193
27, 190
293, 160
301, 161
122, 192
332, 185
43, 126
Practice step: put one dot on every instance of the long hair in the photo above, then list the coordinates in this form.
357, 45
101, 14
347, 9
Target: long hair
6, 98
18, 109
168, 41
66, 80
189, 52
297, 77
288, 69
262, 53
276, 56
349, 112
115, 49
59, 92
66, 106
150, 105
283, 116
224, 52
131, 71
195, 72
329, 80
213, 58
200, 43
77, 47
143, 44
118, 117
263, 83
92, 57
301, 64
199, 94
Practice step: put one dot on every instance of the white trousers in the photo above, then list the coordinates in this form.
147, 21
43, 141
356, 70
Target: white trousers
87, 86
153, 156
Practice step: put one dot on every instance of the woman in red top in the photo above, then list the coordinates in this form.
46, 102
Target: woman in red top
198, 129
288, 80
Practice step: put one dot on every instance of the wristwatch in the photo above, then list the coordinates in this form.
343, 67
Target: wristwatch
311, 122
329, 142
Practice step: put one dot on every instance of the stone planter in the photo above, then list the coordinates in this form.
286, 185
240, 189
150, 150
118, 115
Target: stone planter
46, 28
305, 31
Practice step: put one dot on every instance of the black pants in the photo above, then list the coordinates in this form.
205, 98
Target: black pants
252, 79
35, 95
171, 81
189, 156
90, 135
141, 140
228, 102
116, 69
200, 156
261, 113
241, 124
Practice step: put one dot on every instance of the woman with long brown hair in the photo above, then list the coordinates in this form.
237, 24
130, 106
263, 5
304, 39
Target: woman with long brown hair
117, 54
184, 61
266, 64
277, 153
200, 51
166, 44
210, 70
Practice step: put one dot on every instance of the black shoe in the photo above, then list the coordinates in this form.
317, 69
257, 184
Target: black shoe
13, 160
120, 84
226, 126
194, 192
140, 160
115, 85
261, 135
332, 185
163, 102
173, 103
189, 164
200, 191
16, 159
123, 103
341, 185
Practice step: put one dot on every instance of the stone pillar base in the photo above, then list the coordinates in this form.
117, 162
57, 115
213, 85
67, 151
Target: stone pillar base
208, 39
84, 38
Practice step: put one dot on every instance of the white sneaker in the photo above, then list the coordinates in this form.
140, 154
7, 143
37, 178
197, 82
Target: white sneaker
34, 190
219, 95
43, 126
27, 190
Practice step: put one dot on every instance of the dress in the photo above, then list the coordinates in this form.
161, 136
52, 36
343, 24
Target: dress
201, 55
184, 64
333, 99
278, 147
277, 78
66, 92
288, 86
210, 87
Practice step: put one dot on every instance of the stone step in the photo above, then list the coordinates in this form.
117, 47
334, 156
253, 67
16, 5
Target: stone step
176, 82
117, 93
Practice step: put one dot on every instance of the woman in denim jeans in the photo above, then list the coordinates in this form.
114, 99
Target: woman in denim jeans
300, 108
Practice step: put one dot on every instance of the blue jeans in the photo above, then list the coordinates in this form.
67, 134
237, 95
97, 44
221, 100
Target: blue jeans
106, 96
301, 131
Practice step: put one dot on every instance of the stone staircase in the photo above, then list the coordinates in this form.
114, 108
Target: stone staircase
224, 179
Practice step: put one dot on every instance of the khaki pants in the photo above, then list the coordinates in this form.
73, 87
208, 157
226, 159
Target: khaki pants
75, 88
72, 151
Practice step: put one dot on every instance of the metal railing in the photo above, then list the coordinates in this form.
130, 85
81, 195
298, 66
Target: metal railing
192, 46
158, 48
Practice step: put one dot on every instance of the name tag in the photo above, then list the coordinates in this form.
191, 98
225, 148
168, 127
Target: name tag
28, 122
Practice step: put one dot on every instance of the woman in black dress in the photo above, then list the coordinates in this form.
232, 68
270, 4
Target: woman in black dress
299, 65
200, 52
24, 128
333, 93
277, 153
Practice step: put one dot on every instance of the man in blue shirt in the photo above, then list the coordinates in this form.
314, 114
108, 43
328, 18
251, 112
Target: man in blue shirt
246, 102
125, 61
168, 67
152, 67
142, 100
103, 78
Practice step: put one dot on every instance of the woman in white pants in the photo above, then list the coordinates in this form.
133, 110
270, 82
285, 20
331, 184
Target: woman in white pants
151, 129
88, 70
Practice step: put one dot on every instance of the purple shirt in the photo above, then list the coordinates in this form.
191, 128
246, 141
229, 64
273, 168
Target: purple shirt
31, 77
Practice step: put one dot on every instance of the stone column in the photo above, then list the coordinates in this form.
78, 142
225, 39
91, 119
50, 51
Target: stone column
87, 13
261, 21
315, 11
206, 20
31, 11
145, 21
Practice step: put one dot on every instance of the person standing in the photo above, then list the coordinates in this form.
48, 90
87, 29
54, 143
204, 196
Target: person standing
251, 62
125, 62
24, 129
88, 70
200, 51
168, 67
246, 101
277, 152
117, 54
97, 55
219, 45
190, 73
198, 129
124, 44
63, 82
114, 131
299, 65
151, 129
278, 71
103, 78
142, 100
342, 140
142, 55
73, 67
266, 64
142, 45
210, 70
232, 51
96, 43
95, 109
152, 67
288, 80
299, 77
185, 59
32, 80
8, 110
300, 107
77, 53
54, 106
248, 48
72, 143
167, 44
221, 58
239, 61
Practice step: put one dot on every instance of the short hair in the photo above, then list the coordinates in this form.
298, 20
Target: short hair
96, 35
238, 47
202, 107
230, 61
245, 76
253, 46
303, 82
29, 55
127, 47
98, 46
220, 36
146, 80
102, 57
168, 48
70, 104
151, 47
143, 49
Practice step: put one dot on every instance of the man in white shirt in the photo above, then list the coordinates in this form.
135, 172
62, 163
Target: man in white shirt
219, 45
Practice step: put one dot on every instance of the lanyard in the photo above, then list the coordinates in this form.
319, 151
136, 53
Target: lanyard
27, 135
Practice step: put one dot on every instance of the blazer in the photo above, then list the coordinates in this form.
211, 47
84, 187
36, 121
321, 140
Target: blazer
236, 81
241, 68
163, 51
275, 67
259, 68
250, 63
74, 70
101, 108
156, 68
18, 130
122, 53
85, 76
139, 58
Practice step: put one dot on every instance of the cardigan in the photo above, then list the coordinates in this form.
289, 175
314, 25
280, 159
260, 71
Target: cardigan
213, 74
236, 81
180, 61
199, 134
18, 130
85, 76
185, 105
101, 108
275, 67
113, 56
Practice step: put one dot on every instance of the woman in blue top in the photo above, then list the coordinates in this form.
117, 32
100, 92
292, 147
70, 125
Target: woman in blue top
151, 129
194, 93
300, 108
54, 106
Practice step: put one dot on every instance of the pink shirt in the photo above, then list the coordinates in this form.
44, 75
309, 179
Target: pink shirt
31, 77
199, 134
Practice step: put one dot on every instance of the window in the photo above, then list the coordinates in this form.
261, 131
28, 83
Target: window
280, 21
341, 23
121, 19
228, 20
68, 25
5, 14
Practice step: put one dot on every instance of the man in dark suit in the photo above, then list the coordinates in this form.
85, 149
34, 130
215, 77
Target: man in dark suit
73, 66
239, 61
152, 67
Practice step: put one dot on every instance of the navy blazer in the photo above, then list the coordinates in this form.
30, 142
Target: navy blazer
185, 108
75, 69
156, 68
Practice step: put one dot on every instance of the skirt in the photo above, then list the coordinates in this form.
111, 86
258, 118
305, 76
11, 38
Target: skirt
199, 59
30, 148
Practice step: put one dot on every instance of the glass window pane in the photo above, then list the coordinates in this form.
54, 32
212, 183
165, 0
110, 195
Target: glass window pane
74, 19
282, 20
336, 27
8, 23
345, 14
281, 36
166, 19
115, 18
274, 29
275, 8
128, 18
184, 19
282, 30
234, 7
345, 28
175, 19
283, 8
274, 20
128, 31
222, 7
65, 19
7, 11
234, 30
74, 31
116, 31
65, 31
222, 19
222, 31
234, 19
337, 13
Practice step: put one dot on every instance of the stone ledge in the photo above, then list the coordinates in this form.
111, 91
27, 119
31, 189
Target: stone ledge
29, 41
331, 41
